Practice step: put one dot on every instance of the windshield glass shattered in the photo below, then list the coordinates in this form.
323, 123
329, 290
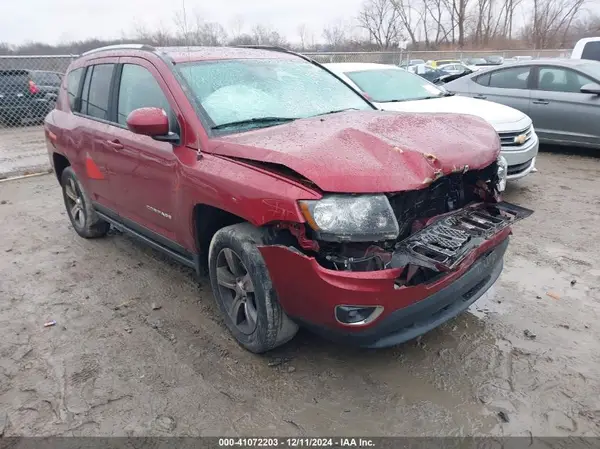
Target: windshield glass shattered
266, 92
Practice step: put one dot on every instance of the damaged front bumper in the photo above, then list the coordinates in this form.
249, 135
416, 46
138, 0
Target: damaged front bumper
465, 248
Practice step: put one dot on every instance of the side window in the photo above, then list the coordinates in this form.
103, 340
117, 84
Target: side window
86, 90
591, 50
139, 89
484, 80
514, 78
96, 100
73, 83
558, 79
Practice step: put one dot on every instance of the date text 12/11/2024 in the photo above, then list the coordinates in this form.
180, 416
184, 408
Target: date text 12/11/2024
296, 442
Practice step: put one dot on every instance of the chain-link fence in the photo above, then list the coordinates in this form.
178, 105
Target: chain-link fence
29, 87
403, 57
29, 84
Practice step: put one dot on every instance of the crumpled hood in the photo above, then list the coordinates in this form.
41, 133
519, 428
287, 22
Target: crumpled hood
369, 151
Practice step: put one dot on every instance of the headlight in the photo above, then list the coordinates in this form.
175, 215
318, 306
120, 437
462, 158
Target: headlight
502, 173
359, 218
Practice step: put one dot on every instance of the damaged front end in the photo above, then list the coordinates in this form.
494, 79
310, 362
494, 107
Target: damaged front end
425, 232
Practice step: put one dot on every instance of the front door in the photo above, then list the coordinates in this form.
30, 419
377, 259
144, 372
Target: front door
143, 170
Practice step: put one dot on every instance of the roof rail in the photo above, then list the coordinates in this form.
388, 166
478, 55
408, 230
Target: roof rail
120, 47
277, 48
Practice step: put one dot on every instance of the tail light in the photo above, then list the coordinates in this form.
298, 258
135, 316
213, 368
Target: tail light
33, 89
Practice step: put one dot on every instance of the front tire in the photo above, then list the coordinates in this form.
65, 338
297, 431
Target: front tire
244, 292
84, 218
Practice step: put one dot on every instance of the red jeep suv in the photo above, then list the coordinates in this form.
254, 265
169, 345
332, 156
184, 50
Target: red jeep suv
309, 206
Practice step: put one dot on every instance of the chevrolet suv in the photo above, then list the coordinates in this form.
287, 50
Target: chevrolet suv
307, 205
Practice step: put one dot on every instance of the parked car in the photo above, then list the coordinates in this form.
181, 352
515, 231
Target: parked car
391, 89
309, 205
494, 60
523, 58
436, 63
457, 68
562, 97
428, 72
475, 61
587, 48
22, 98
47, 82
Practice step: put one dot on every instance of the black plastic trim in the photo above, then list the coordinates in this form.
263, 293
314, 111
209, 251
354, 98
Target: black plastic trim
151, 238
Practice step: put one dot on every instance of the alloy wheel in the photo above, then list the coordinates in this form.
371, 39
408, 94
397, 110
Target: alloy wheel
236, 290
75, 203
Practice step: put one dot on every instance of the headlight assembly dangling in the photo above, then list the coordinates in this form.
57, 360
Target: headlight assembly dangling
351, 218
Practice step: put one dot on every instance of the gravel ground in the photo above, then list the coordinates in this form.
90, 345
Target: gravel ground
22, 151
526, 353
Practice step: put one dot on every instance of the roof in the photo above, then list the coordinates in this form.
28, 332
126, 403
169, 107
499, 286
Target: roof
562, 62
358, 66
192, 53
184, 54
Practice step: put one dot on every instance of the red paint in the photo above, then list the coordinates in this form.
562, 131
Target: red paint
91, 169
349, 152
307, 290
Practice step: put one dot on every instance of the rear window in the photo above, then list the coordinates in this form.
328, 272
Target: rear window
46, 78
96, 92
591, 50
73, 83
514, 78
13, 79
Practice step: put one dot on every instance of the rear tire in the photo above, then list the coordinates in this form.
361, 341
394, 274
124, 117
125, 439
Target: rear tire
244, 292
84, 218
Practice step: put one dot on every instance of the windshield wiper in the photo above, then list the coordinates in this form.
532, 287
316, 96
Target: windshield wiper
257, 120
336, 111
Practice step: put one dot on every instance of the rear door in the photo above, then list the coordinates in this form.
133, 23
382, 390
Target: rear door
508, 86
95, 131
560, 112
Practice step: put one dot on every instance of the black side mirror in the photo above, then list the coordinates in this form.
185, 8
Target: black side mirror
591, 88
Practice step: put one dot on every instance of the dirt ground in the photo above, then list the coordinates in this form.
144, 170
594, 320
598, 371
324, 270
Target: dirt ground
114, 366
22, 151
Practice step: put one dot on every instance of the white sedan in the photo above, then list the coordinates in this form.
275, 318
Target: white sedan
392, 89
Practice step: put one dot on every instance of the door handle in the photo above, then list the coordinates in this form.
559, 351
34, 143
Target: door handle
480, 96
115, 144
540, 101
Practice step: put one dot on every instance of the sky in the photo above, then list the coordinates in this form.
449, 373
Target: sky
56, 21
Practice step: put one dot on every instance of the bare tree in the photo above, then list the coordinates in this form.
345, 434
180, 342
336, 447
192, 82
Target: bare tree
410, 17
264, 35
335, 35
237, 26
303, 35
381, 19
550, 21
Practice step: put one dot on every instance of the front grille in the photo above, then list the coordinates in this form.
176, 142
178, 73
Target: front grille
444, 195
518, 168
507, 139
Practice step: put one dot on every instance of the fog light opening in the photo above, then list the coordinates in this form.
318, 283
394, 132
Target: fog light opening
357, 315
